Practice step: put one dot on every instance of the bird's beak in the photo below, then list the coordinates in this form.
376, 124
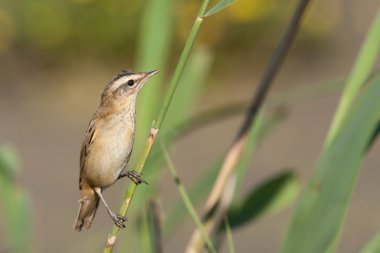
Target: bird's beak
151, 73
145, 76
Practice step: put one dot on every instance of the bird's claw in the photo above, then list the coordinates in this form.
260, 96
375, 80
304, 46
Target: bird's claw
134, 176
119, 220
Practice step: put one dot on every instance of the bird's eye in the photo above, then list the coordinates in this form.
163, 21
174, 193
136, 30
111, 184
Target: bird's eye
131, 82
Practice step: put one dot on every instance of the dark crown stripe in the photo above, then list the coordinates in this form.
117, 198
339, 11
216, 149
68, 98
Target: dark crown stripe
122, 74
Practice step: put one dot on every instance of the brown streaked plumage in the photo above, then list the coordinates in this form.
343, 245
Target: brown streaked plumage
108, 144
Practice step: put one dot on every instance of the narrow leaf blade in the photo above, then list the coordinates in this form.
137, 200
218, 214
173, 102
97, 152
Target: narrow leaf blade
274, 194
15, 204
156, 25
317, 220
230, 239
359, 74
373, 245
218, 7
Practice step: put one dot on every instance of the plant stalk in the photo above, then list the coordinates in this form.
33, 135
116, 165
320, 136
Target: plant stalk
186, 200
221, 195
158, 123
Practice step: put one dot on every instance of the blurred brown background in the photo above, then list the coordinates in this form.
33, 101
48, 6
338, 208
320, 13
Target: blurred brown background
56, 57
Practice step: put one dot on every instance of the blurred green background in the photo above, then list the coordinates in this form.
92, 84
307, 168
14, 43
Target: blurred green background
56, 57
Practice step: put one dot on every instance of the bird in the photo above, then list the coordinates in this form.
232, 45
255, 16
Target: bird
107, 145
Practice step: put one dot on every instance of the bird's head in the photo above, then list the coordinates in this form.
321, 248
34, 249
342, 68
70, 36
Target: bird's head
127, 83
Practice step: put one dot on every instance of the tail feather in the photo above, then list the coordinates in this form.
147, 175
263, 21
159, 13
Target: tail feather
88, 205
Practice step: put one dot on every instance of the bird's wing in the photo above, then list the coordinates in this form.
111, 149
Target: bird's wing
86, 146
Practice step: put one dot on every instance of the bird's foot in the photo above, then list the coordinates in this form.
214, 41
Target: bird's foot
134, 176
119, 220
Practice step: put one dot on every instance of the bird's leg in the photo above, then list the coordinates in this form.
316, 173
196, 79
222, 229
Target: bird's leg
134, 176
117, 218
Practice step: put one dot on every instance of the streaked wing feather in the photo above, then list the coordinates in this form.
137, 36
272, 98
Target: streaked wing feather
86, 146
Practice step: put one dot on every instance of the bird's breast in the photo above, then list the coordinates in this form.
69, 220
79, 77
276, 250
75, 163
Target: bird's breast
110, 150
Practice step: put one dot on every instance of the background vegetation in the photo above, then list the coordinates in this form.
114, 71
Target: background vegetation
56, 56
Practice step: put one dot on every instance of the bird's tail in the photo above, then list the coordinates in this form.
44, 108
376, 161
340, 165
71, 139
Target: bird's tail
88, 204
